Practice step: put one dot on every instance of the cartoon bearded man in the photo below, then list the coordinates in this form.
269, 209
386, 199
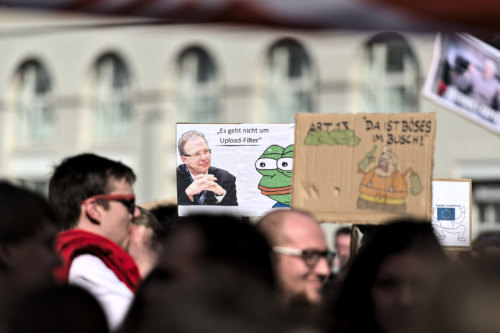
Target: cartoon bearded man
384, 187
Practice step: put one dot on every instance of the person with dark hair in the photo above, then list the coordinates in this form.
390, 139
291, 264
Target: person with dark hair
301, 257
389, 282
146, 241
97, 203
167, 215
27, 256
59, 309
486, 245
467, 300
226, 241
342, 244
214, 269
198, 183
214, 302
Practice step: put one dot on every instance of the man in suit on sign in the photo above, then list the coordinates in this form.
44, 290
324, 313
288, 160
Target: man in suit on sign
198, 183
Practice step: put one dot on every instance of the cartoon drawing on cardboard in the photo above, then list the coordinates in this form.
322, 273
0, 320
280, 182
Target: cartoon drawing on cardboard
445, 222
384, 187
336, 137
275, 165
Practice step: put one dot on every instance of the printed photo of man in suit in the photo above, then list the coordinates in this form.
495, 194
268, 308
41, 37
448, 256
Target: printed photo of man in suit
198, 183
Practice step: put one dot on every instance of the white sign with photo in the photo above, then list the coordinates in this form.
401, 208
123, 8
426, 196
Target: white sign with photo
239, 169
451, 211
465, 78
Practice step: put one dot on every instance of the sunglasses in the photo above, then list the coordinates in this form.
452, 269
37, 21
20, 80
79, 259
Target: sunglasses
128, 200
310, 257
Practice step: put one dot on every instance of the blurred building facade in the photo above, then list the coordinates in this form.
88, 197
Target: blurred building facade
77, 83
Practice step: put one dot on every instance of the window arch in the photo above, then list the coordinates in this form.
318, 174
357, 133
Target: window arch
112, 98
291, 82
389, 75
198, 93
33, 102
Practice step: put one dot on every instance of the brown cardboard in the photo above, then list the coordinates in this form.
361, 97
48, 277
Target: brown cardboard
329, 180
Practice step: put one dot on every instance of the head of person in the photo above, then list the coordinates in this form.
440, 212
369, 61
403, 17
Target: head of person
343, 245
27, 232
390, 280
61, 308
95, 193
300, 252
203, 242
145, 245
213, 302
467, 300
489, 69
486, 245
194, 152
167, 215
387, 163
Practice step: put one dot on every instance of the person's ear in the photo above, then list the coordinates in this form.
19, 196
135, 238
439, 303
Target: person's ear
183, 159
93, 212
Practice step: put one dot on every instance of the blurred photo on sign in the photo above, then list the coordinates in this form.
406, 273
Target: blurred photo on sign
464, 77
364, 168
239, 169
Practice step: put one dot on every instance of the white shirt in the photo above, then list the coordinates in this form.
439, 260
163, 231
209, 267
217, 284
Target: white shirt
92, 274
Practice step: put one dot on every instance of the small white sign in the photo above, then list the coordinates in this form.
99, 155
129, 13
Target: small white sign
451, 211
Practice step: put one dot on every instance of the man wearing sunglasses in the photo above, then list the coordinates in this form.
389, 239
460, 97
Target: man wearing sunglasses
198, 183
96, 202
301, 256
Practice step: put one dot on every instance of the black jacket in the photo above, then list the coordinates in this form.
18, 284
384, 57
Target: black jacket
226, 180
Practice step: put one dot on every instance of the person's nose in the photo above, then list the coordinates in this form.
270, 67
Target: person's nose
406, 295
205, 155
322, 267
137, 213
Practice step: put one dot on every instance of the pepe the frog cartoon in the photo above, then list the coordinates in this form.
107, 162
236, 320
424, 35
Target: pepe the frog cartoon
275, 165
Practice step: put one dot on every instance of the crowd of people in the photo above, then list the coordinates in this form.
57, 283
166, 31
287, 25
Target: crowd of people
89, 259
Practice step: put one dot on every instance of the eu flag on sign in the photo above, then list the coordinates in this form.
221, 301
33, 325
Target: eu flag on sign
446, 214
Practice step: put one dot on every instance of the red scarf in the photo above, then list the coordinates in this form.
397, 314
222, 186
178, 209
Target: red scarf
72, 243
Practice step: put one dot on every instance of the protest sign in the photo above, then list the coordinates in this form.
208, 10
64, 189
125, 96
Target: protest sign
451, 212
252, 163
464, 78
364, 168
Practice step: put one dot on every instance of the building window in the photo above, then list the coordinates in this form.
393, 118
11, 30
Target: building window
197, 97
390, 75
486, 195
112, 100
33, 103
290, 81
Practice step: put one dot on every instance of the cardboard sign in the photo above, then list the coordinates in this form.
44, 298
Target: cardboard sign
464, 78
451, 212
251, 163
364, 168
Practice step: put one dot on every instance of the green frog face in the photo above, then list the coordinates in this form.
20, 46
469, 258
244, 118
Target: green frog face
275, 165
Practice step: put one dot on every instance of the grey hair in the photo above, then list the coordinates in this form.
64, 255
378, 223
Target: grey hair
187, 136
